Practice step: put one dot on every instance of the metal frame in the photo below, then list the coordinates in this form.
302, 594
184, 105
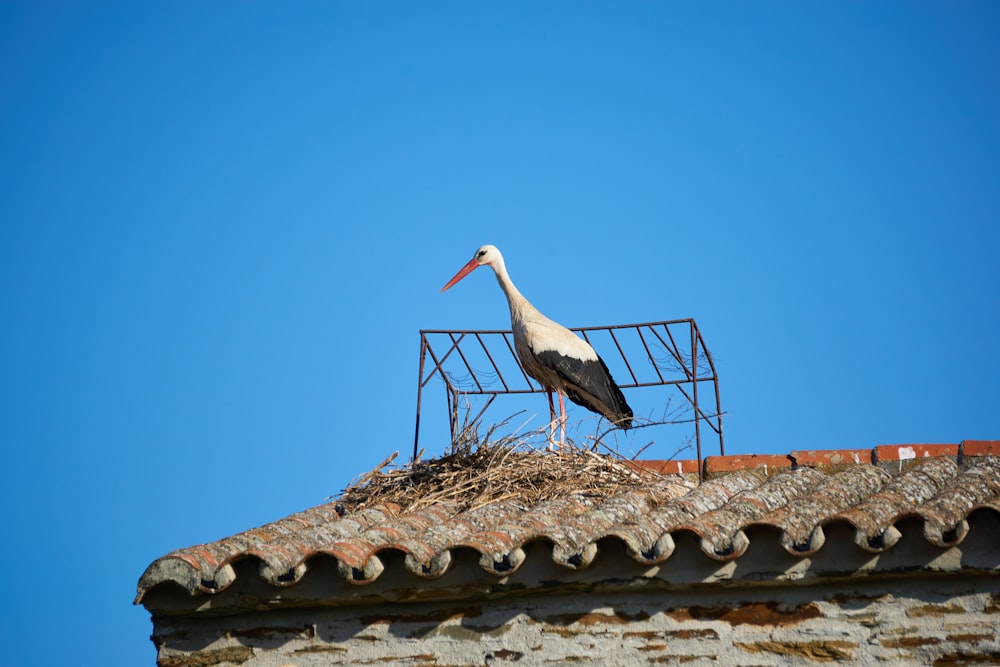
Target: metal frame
684, 362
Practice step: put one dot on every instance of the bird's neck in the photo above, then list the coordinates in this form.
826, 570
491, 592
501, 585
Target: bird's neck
515, 300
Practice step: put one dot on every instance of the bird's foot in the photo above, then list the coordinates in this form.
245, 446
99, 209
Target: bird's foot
553, 443
552, 436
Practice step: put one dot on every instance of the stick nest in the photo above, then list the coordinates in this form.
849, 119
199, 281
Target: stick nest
478, 471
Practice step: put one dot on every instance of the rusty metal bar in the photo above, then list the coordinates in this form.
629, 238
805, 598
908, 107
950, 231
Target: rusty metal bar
489, 356
672, 371
540, 390
694, 390
718, 398
686, 320
438, 365
672, 348
649, 354
635, 380
513, 353
420, 387
472, 372
489, 402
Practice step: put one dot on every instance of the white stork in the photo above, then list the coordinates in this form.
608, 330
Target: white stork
552, 354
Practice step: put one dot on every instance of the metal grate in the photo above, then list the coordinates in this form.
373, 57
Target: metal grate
671, 354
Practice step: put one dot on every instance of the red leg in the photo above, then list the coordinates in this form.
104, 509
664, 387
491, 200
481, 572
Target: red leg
562, 419
552, 419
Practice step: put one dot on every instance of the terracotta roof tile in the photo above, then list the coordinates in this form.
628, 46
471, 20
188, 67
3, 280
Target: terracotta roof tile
769, 463
671, 467
909, 452
797, 495
802, 532
831, 458
981, 447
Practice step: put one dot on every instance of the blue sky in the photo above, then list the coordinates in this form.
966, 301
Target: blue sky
224, 224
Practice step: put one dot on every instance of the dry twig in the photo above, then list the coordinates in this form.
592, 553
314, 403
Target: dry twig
479, 470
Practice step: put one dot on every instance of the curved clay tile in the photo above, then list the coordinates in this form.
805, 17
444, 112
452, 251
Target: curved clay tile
646, 519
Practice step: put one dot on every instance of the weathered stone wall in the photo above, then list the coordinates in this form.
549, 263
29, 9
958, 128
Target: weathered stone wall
934, 619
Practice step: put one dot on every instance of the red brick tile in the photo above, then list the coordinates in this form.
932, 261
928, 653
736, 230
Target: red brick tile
715, 465
661, 467
915, 451
831, 457
981, 447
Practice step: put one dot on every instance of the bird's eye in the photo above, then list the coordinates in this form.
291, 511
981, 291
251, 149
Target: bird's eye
481, 253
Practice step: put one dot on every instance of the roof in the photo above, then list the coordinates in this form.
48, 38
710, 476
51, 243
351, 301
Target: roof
799, 497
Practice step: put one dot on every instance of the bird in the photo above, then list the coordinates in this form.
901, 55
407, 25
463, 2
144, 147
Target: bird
557, 358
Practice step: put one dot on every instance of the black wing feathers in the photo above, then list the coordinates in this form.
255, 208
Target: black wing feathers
589, 384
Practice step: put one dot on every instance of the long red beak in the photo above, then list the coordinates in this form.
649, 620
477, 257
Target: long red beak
464, 271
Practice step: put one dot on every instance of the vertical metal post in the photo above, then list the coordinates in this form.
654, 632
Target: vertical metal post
453, 399
420, 388
718, 415
694, 393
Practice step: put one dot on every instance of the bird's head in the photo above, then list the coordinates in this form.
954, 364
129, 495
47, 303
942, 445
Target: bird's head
486, 255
